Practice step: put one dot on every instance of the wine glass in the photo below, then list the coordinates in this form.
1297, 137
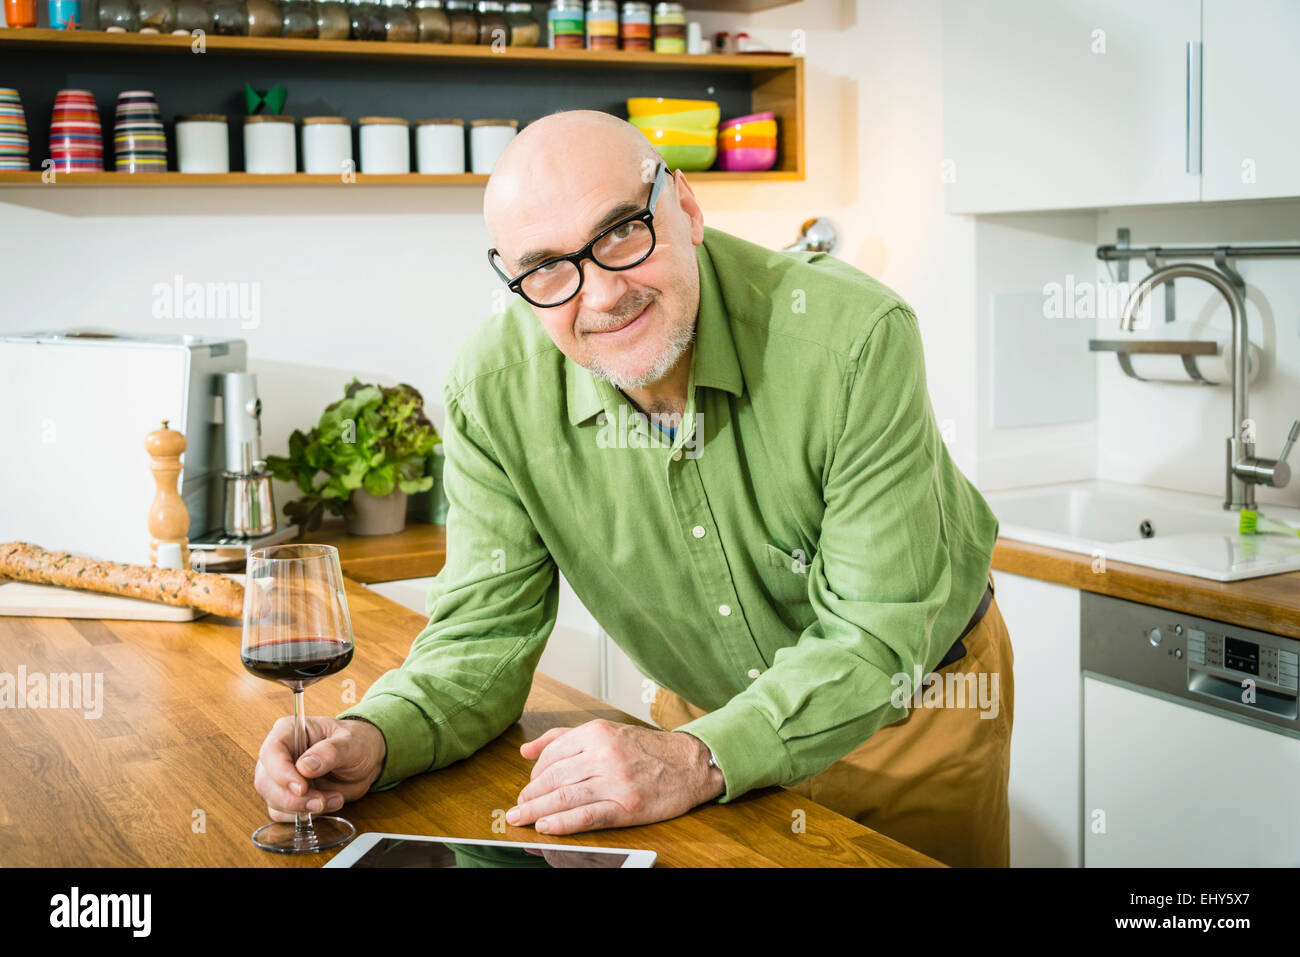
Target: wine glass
297, 631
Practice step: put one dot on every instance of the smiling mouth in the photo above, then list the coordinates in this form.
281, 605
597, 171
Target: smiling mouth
620, 328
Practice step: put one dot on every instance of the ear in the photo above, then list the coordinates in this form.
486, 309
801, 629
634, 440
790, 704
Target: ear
690, 206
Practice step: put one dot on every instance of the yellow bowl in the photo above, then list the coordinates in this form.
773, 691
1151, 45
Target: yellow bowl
699, 121
679, 138
650, 105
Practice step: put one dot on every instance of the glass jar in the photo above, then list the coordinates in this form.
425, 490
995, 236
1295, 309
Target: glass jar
157, 16
400, 25
368, 21
602, 24
434, 25
193, 15
230, 18
464, 22
492, 22
634, 31
264, 18
669, 28
298, 19
564, 25
118, 16
332, 20
523, 27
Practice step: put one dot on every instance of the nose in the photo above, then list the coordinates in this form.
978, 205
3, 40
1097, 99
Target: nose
601, 288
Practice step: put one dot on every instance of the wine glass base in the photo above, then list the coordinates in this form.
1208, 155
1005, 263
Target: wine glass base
283, 837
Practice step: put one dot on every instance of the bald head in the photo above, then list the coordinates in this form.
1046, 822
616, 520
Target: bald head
569, 177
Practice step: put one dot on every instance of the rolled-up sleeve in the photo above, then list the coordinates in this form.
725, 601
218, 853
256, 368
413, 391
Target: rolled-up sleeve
491, 610
878, 580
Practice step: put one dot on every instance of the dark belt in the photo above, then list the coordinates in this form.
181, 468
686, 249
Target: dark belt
958, 650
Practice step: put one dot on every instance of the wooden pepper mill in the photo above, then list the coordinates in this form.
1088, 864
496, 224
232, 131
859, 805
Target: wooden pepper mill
169, 520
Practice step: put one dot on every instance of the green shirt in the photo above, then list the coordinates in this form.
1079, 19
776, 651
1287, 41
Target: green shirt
804, 538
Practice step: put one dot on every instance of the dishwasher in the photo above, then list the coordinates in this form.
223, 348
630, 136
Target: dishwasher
1191, 744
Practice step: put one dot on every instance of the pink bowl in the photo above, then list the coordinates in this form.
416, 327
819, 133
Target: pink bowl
751, 118
747, 159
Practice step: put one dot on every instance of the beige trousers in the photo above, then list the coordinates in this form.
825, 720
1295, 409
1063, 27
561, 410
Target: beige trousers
935, 781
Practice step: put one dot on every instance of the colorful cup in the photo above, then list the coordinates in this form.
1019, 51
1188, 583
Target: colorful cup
14, 143
139, 142
747, 143
65, 14
76, 141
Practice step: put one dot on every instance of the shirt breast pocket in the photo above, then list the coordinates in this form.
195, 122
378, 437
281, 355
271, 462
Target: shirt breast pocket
785, 576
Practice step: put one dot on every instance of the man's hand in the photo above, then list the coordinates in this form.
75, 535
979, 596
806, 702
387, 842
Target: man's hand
606, 774
342, 760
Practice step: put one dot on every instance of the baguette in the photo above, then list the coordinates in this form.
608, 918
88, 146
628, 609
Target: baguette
205, 591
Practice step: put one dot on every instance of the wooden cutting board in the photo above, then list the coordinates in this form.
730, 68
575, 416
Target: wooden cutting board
50, 601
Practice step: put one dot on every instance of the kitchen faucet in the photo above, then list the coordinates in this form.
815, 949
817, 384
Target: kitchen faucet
1243, 470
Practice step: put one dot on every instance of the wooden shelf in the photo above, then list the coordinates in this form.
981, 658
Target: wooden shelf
142, 43
130, 180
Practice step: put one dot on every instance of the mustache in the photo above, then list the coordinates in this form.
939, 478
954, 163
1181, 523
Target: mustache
623, 315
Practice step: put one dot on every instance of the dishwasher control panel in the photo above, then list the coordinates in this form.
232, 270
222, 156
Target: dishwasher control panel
1228, 669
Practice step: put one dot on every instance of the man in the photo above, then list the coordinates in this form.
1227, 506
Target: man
782, 545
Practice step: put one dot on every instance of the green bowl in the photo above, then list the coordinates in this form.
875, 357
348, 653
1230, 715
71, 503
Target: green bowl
688, 158
694, 121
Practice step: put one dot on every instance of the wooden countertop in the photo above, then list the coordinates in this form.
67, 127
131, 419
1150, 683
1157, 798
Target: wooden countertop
1271, 603
417, 551
164, 776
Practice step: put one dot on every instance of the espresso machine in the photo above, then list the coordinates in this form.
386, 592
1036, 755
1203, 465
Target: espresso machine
247, 501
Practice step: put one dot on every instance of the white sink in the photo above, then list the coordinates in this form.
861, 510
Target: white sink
1159, 528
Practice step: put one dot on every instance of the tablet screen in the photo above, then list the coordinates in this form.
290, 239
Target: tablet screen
403, 852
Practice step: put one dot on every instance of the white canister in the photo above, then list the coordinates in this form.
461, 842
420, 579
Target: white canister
440, 146
487, 139
270, 144
327, 145
202, 143
385, 144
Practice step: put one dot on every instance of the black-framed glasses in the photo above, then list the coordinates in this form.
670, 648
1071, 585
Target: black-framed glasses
627, 243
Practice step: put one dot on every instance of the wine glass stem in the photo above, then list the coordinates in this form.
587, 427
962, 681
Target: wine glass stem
302, 819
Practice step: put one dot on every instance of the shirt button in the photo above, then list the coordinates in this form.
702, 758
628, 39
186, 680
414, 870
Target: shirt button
677, 456
754, 672
724, 610
698, 531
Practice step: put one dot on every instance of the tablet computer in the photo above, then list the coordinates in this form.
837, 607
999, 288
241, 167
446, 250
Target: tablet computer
409, 850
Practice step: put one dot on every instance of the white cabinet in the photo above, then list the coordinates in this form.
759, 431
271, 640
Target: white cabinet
1062, 104
1043, 622
1251, 116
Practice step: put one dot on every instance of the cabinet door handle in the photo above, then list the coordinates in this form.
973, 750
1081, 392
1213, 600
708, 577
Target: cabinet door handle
1193, 103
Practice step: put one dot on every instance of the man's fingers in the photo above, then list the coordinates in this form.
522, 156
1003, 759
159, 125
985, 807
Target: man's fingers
558, 748
571, 770
276, 758
589, 817
531, 749
563, 798
278, 796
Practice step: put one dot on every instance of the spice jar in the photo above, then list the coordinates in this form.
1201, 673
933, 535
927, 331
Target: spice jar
440, 146
400, 25
264, 19
332, 20
298, 19
487, 140
464, 22
385, 144
368, 20
202, 143
269, 145
523, 27
229, 18
492, 22
602, 24
116, 16
157, 16
434, 25
193, 15
669, 28
326, 145
635, 28
564, 29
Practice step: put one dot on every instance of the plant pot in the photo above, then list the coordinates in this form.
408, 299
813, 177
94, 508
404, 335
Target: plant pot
371, 515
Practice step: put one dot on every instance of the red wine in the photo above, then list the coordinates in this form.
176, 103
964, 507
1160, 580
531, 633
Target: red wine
298, 662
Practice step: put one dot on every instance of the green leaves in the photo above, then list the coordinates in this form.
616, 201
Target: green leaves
376, 438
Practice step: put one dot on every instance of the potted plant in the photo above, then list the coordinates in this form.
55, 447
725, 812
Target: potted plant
372, 447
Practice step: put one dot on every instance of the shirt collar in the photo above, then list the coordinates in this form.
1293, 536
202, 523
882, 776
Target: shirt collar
713, 360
